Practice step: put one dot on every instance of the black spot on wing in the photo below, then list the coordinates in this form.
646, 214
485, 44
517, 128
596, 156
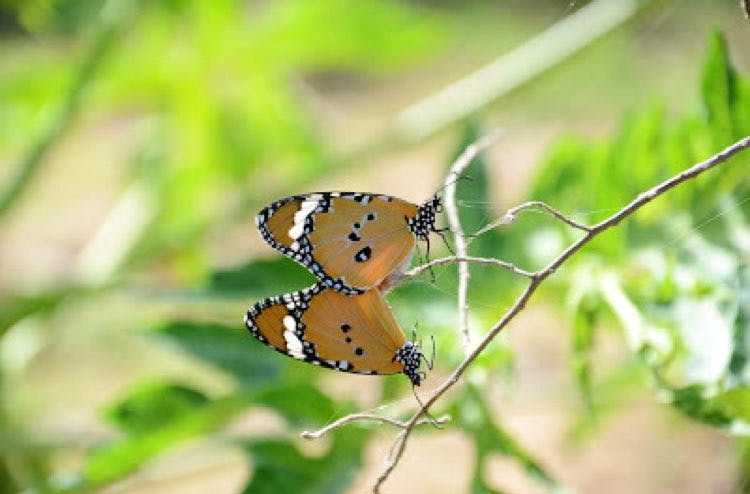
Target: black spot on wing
363, 255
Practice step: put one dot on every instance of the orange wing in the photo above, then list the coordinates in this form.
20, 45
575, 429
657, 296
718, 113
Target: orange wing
350, 333
350, 241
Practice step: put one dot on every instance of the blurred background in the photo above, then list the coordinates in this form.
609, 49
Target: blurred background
138, 140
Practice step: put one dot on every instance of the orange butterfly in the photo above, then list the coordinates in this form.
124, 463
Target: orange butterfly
350, 241
350, 333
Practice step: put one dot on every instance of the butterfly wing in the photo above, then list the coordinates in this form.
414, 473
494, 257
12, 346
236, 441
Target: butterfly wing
350, 241
319, 325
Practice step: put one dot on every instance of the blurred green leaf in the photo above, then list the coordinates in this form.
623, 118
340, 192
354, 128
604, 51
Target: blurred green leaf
262, 278
718, 91
151, 406
278, 466
475, 417
6, 479
728, 410
228, 348
370, 36
15, 308
156, 428
739, 363
563, 174
298, 403
586, 307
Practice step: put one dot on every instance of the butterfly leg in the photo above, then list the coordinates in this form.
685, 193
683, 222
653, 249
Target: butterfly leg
427, 259
440, 231
427, 414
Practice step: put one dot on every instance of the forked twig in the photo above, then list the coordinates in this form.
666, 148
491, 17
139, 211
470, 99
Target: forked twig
511, 214
368, 417
536, 278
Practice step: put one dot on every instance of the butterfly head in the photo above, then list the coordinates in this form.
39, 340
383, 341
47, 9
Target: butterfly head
424, 221
411, 356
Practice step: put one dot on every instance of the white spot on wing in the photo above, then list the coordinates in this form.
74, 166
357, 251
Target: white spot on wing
307, 207
290, 324
293, 344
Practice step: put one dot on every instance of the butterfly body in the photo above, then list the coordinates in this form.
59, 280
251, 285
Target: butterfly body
350, 241
350, 333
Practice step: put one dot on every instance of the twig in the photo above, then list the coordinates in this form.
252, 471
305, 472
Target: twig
356, 417
451, 210
491, 261
510, 216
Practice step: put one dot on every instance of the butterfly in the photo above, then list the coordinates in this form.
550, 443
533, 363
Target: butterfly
350, 241
350, 333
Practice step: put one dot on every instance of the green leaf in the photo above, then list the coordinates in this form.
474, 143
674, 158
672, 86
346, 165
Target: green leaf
727, 410
278, 466
735, 403
739, 362
476, 419
586, 310
563, 174
7, 484
231, 349
118, 458
153, 405
15, 308
262, 278
299, 403
479, 486
717, 86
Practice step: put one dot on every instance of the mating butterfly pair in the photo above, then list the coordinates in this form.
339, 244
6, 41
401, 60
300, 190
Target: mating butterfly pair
356, 244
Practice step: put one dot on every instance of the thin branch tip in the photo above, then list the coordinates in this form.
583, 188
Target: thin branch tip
365, 417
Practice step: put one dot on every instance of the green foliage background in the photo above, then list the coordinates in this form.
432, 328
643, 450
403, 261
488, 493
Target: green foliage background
219, 94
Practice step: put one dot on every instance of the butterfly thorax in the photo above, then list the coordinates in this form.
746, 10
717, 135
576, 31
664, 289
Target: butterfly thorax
411, 357
423, 222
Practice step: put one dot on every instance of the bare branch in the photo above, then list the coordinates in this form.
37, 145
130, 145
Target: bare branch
451, 210
536, 280
359, 417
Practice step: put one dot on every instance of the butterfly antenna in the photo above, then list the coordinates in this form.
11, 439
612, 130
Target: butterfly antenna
458, 177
